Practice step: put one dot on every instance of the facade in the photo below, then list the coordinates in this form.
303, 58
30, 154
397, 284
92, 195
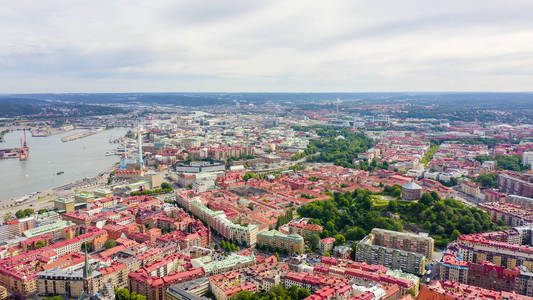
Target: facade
246, 235
525, 202
450, 290
230, 263
406, 261
153, 279
3, 293
189, 290
84, 197
63, 204
527, 159
471, 189
510, 214
326, 245
306, 230
292, 243
487, 247
19, 273
418, 243
70, 282
200, 167
411, 191
517, 184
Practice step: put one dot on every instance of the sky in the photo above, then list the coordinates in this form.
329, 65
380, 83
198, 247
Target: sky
265, 46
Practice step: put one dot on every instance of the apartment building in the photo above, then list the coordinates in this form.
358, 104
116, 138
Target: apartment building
418, 243
406, 261
516, 184
303, 228
510, 214
292, 243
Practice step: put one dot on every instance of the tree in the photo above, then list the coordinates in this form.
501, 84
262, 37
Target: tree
110, 244
40, 244
124, 294
303, 293
426, 199
313, 241
42, 211
340, 239
355, 233
8, 216
455, 234
166, 186
248, 176
86, 246
488, 180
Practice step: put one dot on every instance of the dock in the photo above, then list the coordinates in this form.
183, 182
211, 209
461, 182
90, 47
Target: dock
79, 135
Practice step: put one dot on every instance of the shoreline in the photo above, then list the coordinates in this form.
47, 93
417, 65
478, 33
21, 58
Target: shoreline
44, 199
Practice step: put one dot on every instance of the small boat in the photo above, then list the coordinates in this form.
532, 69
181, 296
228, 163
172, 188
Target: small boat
60, 173
109, 153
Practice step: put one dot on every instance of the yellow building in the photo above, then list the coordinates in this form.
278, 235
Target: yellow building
84, 197
3, 293
63, 204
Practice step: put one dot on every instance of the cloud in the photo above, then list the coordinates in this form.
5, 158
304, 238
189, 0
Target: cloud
212, 45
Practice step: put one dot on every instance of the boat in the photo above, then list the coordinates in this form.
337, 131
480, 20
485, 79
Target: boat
60, 173
109, 153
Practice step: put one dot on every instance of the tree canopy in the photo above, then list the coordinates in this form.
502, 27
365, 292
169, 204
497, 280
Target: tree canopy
352, 215
277, 292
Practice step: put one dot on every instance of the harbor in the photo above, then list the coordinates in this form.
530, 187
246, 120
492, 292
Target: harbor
76, 160
80, 135
21, 152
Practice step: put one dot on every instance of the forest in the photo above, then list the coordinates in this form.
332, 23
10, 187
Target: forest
353, 215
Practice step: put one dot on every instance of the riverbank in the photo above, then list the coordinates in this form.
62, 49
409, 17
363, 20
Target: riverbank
45, 199
78, 159
80, 135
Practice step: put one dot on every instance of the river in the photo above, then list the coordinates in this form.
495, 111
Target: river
80, 158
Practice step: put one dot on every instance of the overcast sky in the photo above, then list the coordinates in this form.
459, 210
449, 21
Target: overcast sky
265, 46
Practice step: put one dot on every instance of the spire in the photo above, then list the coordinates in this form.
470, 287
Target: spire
87, 267
139, 141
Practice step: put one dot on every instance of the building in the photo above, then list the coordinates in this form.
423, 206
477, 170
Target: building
510, 214
326, 245
223, 286
56, 229
527, 159
453, 268
3, 293
516, 184
200, 167
245, 235
292, 243
19, 273
471, 189
406, 261
418, 243
72, 281
411, 191
303, 228
525, 202
153, 279
451, 290
229, 263
84, 197
189, 290
64, 204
